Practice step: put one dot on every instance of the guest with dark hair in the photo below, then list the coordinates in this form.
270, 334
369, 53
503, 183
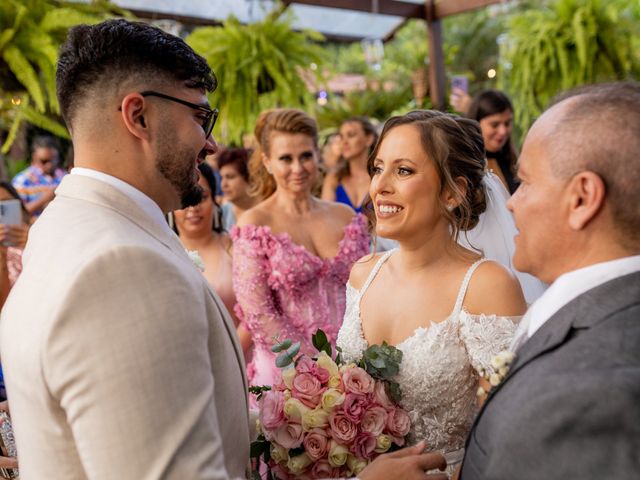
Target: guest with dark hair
199, 228
494, 111
37, 183
349, 182
233, 165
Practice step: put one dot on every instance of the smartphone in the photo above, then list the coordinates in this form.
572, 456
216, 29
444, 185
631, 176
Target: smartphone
10, 212
7, 445
461, 82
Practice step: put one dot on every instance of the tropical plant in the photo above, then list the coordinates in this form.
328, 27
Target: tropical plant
260, 65
32, 31
372, 103
566, 43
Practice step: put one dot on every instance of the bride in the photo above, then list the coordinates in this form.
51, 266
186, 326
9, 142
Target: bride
448, 309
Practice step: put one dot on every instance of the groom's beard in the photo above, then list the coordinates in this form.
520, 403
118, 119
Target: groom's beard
177, 165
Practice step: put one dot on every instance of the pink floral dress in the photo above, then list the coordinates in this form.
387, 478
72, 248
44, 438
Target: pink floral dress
282, 289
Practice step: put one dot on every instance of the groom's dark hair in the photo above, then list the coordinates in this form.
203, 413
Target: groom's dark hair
96, 59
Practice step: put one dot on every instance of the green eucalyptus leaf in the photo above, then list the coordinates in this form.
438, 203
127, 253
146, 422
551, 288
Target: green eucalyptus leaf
283, 360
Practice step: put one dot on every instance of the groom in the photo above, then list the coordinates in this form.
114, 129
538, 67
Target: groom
570, 405
120, 361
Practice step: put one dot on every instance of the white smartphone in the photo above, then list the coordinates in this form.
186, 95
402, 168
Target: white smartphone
10, 212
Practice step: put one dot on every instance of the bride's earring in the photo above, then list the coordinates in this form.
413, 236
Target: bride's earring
450, 208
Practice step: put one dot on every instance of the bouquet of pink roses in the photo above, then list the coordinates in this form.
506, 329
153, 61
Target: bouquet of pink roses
326, 419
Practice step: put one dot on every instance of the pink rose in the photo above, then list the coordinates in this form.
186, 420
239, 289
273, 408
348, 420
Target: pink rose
364, 445
398, 422
288, 435
354, 406
380, 396
357, 381
323, 469
343, 430
316, 443
307, 389
374, 420
271, 409
307, 365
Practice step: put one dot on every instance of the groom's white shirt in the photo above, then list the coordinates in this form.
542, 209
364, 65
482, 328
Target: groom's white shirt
150, 207
568, 287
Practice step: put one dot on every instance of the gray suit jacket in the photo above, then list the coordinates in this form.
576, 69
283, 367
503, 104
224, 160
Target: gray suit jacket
570, 405
120, 361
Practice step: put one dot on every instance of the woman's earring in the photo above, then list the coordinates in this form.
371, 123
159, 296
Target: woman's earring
450, 208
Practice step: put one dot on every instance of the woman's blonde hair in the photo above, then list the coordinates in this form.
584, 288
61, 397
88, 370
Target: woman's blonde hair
278, 120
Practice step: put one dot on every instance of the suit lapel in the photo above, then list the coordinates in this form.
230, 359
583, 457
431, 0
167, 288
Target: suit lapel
101, 193
585, 311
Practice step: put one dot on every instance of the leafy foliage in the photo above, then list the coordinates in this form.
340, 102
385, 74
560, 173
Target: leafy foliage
32, 31
258, 67
382, 362
566, 43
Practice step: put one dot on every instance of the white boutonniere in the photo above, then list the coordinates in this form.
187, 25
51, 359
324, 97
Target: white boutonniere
501, 364
194, 256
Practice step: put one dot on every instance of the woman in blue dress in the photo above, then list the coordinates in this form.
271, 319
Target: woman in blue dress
349, 182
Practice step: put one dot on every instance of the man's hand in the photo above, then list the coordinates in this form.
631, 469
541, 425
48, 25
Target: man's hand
409, 463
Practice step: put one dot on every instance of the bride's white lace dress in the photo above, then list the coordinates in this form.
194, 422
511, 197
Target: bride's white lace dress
438, 374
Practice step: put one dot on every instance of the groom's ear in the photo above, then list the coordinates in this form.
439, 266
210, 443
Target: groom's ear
586, 194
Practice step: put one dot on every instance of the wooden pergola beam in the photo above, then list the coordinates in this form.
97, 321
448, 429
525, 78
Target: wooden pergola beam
398, 8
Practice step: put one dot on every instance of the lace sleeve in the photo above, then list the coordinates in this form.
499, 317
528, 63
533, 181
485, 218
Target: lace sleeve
484, 336
256, 308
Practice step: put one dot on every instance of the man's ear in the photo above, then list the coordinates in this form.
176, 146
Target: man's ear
133, 110
586, 192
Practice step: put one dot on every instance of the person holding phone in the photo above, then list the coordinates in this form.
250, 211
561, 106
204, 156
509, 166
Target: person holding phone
13, 237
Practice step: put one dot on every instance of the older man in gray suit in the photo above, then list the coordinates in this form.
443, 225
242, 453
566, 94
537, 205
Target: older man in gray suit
570, 405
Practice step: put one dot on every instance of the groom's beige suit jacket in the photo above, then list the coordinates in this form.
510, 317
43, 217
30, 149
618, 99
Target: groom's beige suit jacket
120, 361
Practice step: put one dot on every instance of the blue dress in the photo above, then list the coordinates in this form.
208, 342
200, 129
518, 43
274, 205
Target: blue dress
342, 197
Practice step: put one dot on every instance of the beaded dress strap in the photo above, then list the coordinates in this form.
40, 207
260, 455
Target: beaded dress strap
375, 270
465, 285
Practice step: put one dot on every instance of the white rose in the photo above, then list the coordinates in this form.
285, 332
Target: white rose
316, 418
299, 463
287, 376
383, 443
337, 454
294, 410
356, 465
325, 361
332, 398
279, 453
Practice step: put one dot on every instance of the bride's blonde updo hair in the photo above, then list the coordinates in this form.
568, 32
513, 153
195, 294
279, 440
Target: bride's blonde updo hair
277, 120
455, 146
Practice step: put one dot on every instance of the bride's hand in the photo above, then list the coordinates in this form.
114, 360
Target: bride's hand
408, 463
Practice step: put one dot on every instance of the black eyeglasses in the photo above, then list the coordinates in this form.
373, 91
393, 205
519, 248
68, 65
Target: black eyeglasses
211, 115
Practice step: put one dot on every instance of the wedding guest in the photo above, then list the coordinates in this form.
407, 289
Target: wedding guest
349, 182
199, 229
37, 183
292, 252
331, 151
448, 309
13, 238
233, 164
494, 111
569, 406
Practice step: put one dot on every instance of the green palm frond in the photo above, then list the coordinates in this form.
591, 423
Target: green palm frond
564, 44
258, 66
31, 32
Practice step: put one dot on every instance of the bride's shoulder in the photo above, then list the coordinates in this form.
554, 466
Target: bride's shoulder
494, 290
361, 270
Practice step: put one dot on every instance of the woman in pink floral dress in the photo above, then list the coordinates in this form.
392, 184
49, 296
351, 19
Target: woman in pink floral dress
292, 253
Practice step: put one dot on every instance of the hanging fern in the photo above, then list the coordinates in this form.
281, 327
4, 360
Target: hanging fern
564, 44
31, 32
258, 66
